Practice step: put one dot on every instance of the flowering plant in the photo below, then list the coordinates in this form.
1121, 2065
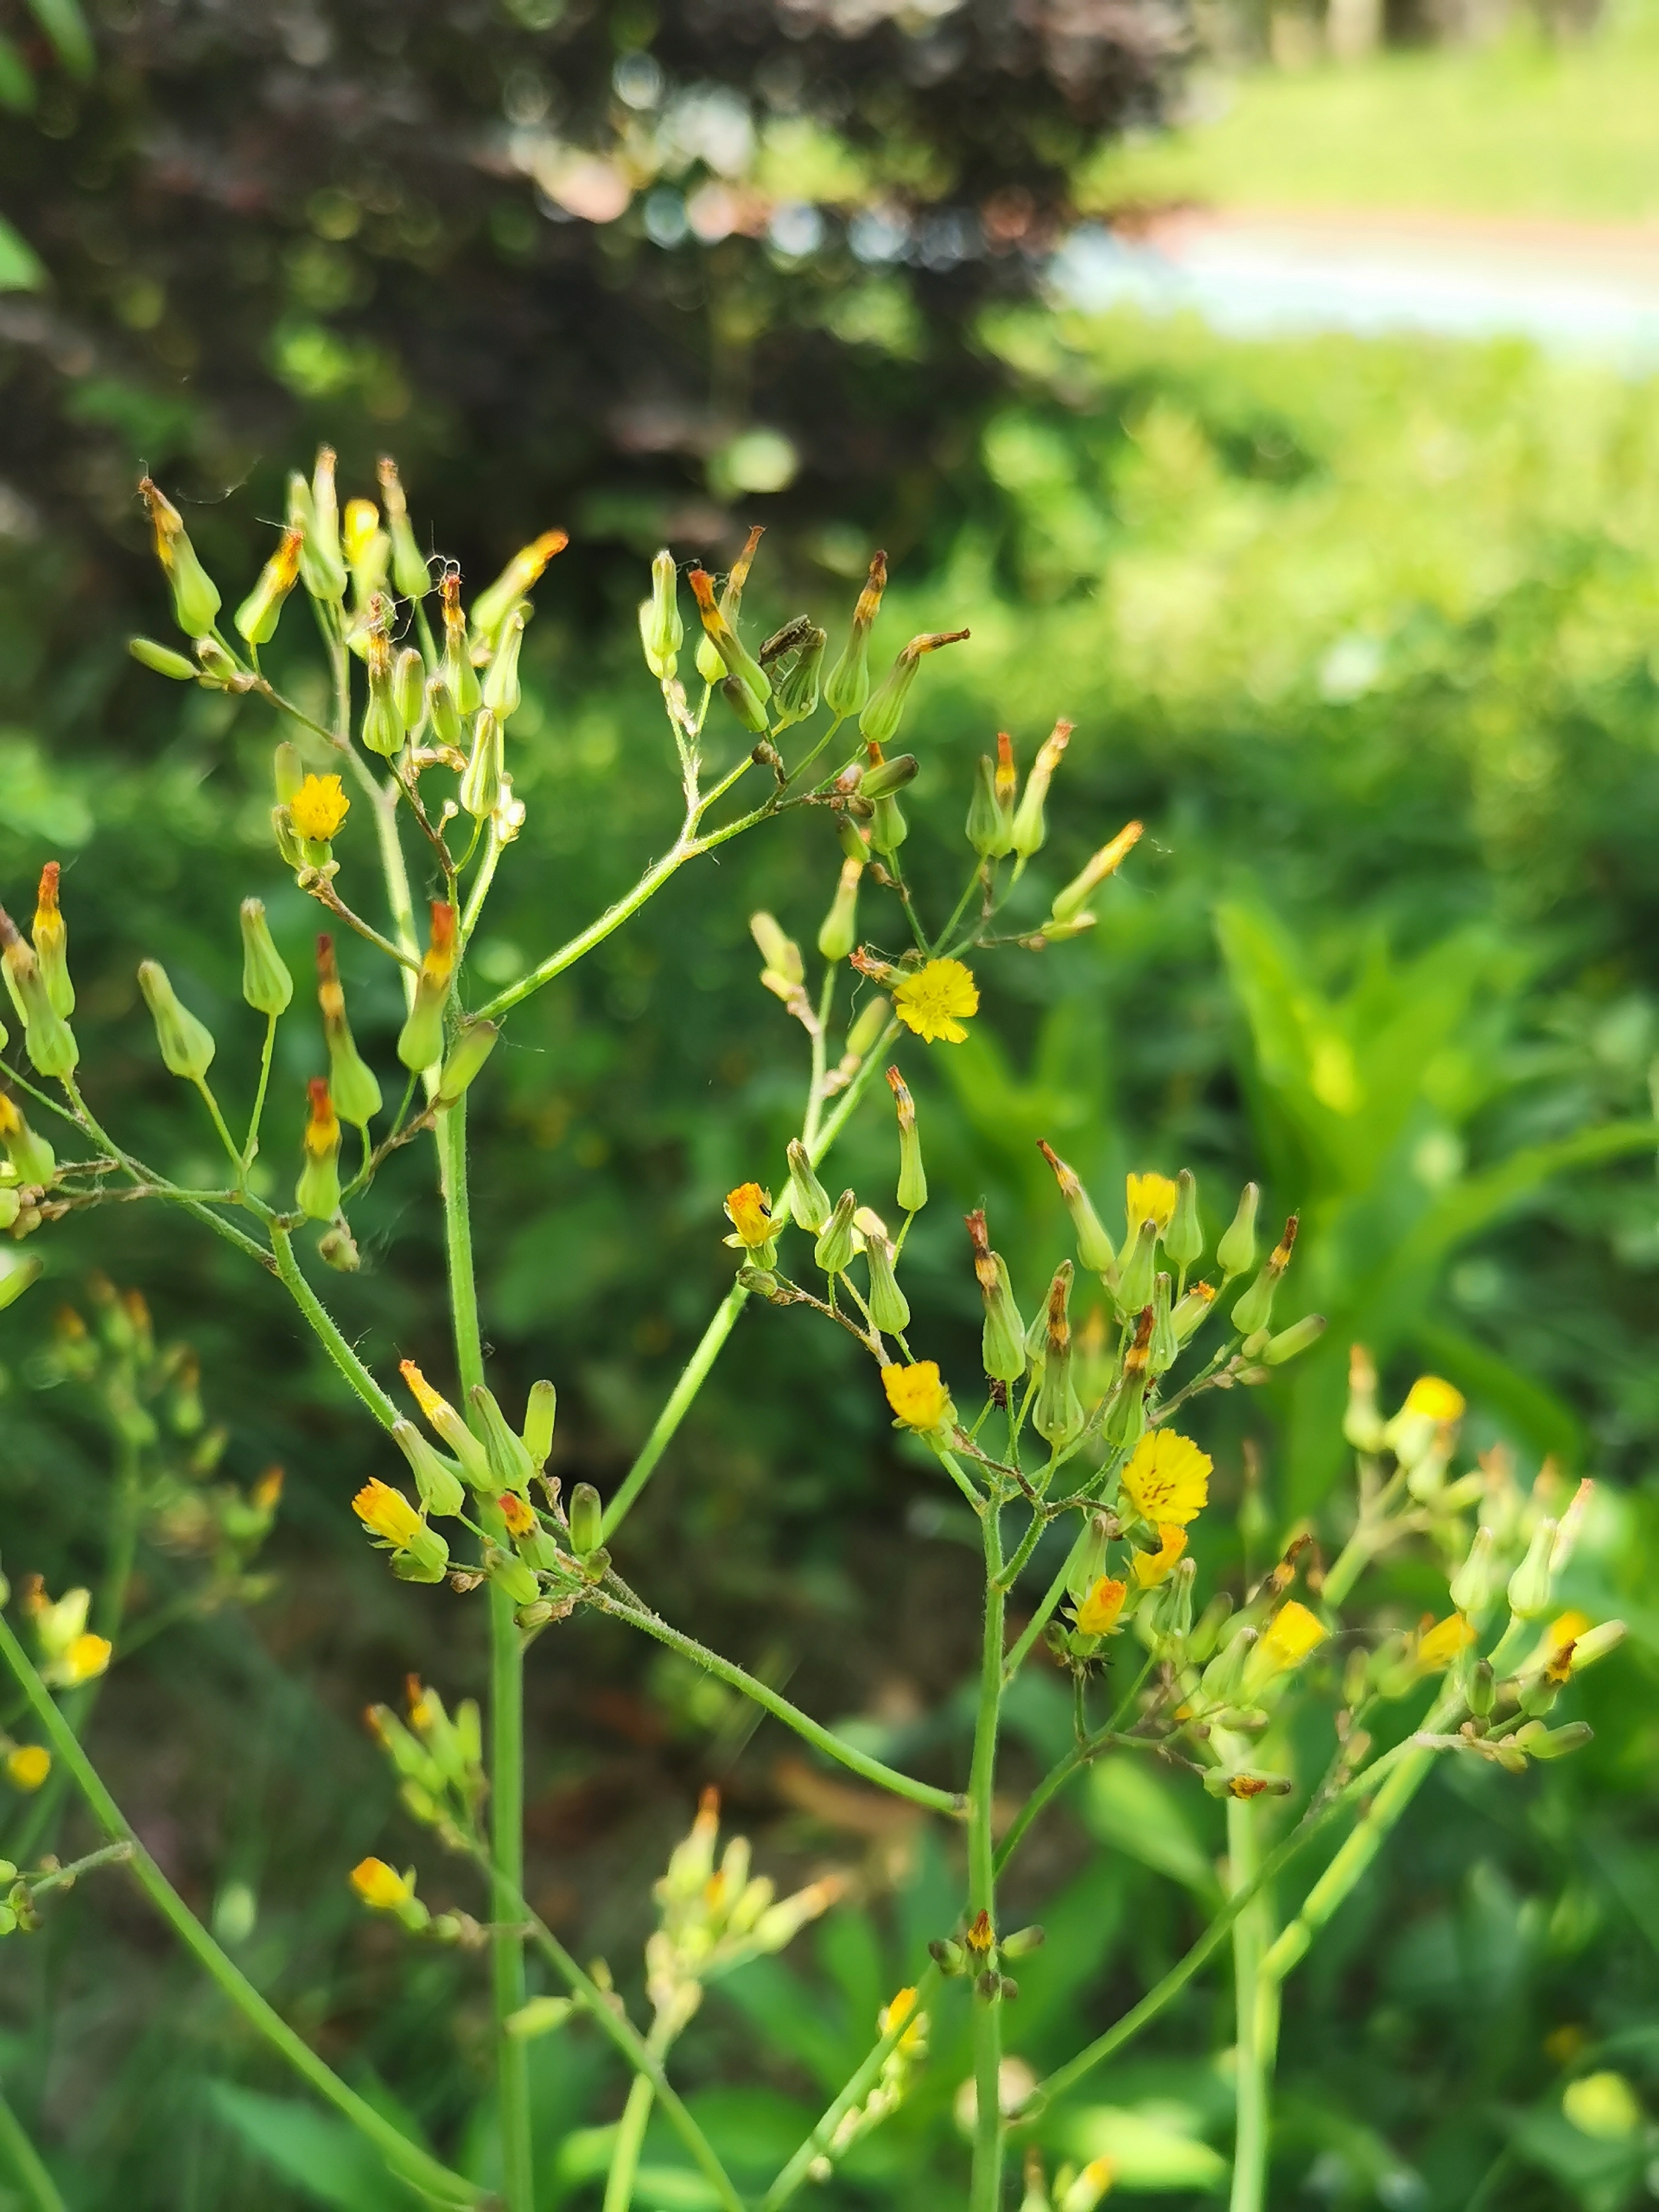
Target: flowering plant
1065, 1438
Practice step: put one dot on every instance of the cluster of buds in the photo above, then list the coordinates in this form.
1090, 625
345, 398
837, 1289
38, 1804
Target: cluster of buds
381, 1887
438, 1760
1075, 2189
976, 1950
900, 2022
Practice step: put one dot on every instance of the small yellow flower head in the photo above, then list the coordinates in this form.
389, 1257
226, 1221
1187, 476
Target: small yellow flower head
1098, 1614
749, 1209
1438, 1646
935, 1001
1291, 1634
900, 2009
1433, 1399
918, 1395
386, 1513
83, 1660
381, 1888
1168, 1478
1090, 2186
28, 1765
1149, 1198
518, 1515
319, 807
1151, 1568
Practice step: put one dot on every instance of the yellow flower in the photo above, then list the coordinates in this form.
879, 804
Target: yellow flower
1097, 1615
902, 2006
1291, 1634
1149, 1198
28, 1765
1150, 1568
935, 1001
1438, 1646
917, 1394
1168, 1478
749, 1210
380, 1886
319, 807
1436, 1401
518, 1515
387, 1513
1567, 1628
83, 1660
266, 1493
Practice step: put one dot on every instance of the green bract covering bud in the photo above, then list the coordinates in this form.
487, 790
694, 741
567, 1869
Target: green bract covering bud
810, 1202
749, 710
512, 1576
912, 1178
662, 630
1094, 1246
848, 683
873, 1018
48, 1037
734, 656
473, 1045
1183, 1240
408, 688
795, 687
1534, 1580
885, 708
317, 1193
1236, 1253
1057, 1416
1298, 1338
267, 985
481, 786
383, 728
1137, 1271
288, 772
833, 1248
884, 777
313, 508
538, 1432
890, 1309
408, 571
51, 936
839, 931
510, 1463
1478, 1581
1068, 904
1255, 1309
443, 713
27, 1151
439, 1487
352, 1085
1539, 1742
1030, 824
18, 1270
586, 1520
501, 691
163, 660
1002, 1341
260, 611
187, 1045
990, 820
195, 595
888, 827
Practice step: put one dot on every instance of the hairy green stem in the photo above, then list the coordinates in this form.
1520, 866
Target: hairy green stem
1040, 1620
1062, 1771
990, 2129
328, 1331
249, 1150
405, 2157
28, 2167
1252, 1931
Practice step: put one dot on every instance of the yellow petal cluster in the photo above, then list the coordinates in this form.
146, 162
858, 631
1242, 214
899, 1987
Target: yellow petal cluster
1168, 1478
1435, 1399
1099, 1612
1291, 1634
1151, 1568
1149, 1198
749, 1209
319, 807
935, 1001
917, 1394
386, 1513
27, 1765
380, 1886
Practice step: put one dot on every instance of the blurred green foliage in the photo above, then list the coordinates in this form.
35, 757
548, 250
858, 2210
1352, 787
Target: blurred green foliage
1365, 633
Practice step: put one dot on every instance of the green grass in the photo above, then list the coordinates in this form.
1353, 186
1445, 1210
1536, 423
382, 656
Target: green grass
1523, 129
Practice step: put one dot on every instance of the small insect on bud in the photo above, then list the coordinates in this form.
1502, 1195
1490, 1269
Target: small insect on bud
257, 618
586, 1520
162, 659
30, 1154
522, 573
475, 1041
52, 943
538, 1432
1255, 1309
912, 1178
662, 629
187, 1045
267, 986
317, 1193
501, 691
1030, 824
195, 595
481, 784
795, 682
885, 708
352, 1084
50, 1041
848, 685
1236, 1253
809, 1201
839, 931
1094, 1246
421, 1040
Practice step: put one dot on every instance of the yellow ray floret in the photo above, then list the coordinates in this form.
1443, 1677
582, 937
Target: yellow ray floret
1439, 1645
1149, 1198
386, 1513
1435, 1399
1291, 1634
1168, 1478
1150, 1568
1098, 1614
917, 1394
319, 807
381, 1887
749, 1209
935, 1001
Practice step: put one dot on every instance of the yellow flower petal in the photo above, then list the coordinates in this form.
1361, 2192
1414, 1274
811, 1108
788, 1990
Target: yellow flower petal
28, 1765
1168, 1478
386, 1513
748, 1208
1434, 1398
1098, 1614
380, 1886
935, 1001
1291, 1634
1150, 1568
1438, 1646
1149, 1198
319, 807
918, 1395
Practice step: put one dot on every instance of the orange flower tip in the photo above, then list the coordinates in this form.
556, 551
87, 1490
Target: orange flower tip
517, 1515
386, 1513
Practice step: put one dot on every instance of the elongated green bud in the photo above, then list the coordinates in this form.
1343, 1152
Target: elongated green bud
1236, 1253
869, 1024
1069, 903
522, 575
990, 820
481, 786
884, 777
162, 659
352, 1085
439, 1485
1003, 1340
1255, 1309
261, 610
421, 1040
834, 1250
195, 595
267, 986
50, 937
1135, 1276
848, 685
27, 1151
383, 728
586, 1520
1166, 1346
409, 571
502, 690
443, 713
839, 930
749, 710
48, 1037
890, 1309
1298, 1337
662, 630
912, 1178
187, 1045
476, 1040
1057, 1415
537, 1435
1030, 824
885, 708
710, 666
459, 673
18, 1271
888, 827
1532, 1584
1094, 1246
1183, 1240
408, 688
1189, 1312
322, 561
810, 1202
795, 689
735, 656
510, 1464
1478, 1581
317, 1193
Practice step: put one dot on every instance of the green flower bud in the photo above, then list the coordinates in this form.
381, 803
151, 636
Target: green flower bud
749, 710
871, 1024
18, 1271
383, 728
501, 691
409, 571
1057, 1415
1165, 1346
510, 1464
1255, 1309
1478, 1581
848, 685
1183, 1240
1002, 1342
1135, 1277
890, 1309
888, 827
481, 786
510, 1575
796, 690
1189, 1312
323, 537
990, 820
267, 986
408, 688
261, 610
317, 1193
27, 1151
1532, 1583
195, 595
187, 1045
473, 1045
520, 577
885, 708
1481, 1694
1094, 1246
442, 713
810, 1202
1290, 1341
586, 1520
162, 659
1030, 824
50, 1041
1539, 1742
1596, 1643
834, 1250
1236, 1253
288, 772
538, 1433
439, 1485
839, 931
884, 777
352, 1085
662, 631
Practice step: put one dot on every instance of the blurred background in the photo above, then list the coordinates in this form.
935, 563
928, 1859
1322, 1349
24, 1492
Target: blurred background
1273, 391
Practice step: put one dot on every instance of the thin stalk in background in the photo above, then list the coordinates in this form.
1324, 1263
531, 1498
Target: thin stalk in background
28, 2169
989, 2129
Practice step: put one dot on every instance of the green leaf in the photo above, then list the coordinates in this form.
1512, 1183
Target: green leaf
66, 26
1126, 1805
319, 2153
21, 268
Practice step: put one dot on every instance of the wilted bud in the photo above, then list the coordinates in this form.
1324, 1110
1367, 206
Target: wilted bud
990, 818
1003, 1340
383, 728
1532, 1583
1057, 1416
1235, 1253
538, 1432
586, 1520
459, 673
52, 943
884, 709
492, 607
1070, 903
735, 657
912, 1179
1094, 1246
439, 1485
1255, 1309
848, 685
352, 1084
1183, 1240
317, 1193
257, 618
502, 690
809, 1201
662, 631
162, 659
473, 1045
27, 1151
834, 1250
508, 1458
421, 1040
322, 549
481, 785
1297, 1338
267, 986
195, 595
1031, 825
187, 1045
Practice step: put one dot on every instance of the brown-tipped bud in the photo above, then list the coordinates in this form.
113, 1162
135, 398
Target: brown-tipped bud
261, 610
409, 571
52, 943
1094, 1246
912, 1177
1057, 1415
734, 656
1002, 1343
459, 674
885, 708
848, 686
195, 595
1255, 1309
421, 1040
493, 606
356, 1091
1030, 824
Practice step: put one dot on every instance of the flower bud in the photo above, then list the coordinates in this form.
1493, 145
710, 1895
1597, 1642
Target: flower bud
990, 818
1297, 1337
444, 1421
493, 606
421, 1040
1532, 1583
257, 618
537, 1435
317, 1193
1255, 1309
810, 1202
912, 1179
749, 710
1057, 1415
50, 1043
267, 986
27, 1151
1539, 1742
383, 728
474, 1043
437, 1483
408, 688
512, 1576
1094, 1246
834, 1250
352, 1085
586, 1520
1126, 1413
885, 708
1595, 1643
1235, 1253
848, 685
195, 595
734, 656
51, 944
1183, 1240
501, 689
795, 689
1002, 1343
162, 659
187, 1045
1138, 1270
409, 571
459, 673
1165, 1346
509, 1462
884, 777
321, 554
662, 631
1189, 1313
1478, 1581
1070, 903
890, 1309
1030, 826
888, 827
839, 930
481, 785
442, 713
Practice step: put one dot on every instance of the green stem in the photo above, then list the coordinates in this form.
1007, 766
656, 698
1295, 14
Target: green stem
251, 1149
328, 1331
596, 933
1251, 1932
480, 883
506, 1706
140, 1173
990, 2130
28, 2167
630, 2134
225, 1136
1061, 1772
403, 2156
1040, 1620
884, 1778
